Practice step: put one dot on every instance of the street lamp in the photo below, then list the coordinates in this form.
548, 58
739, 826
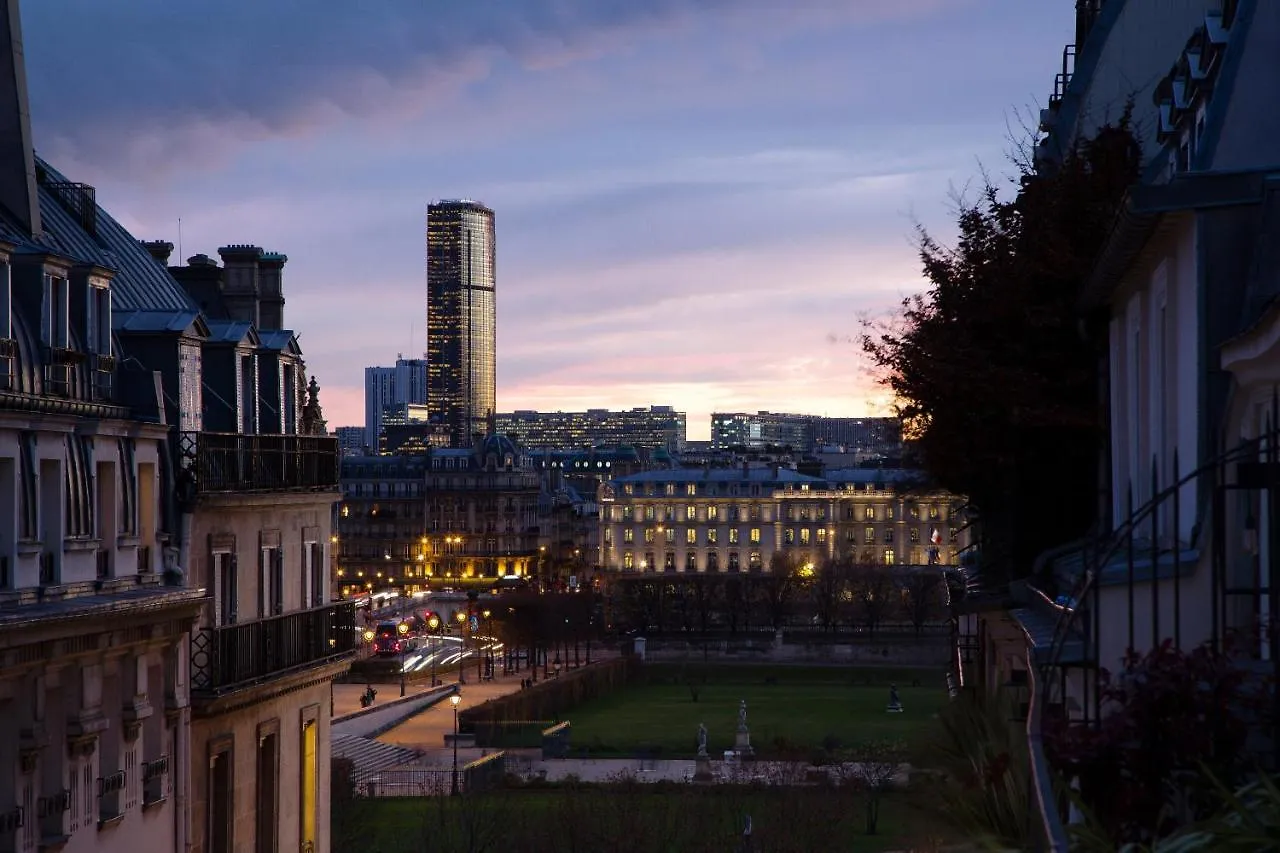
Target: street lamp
488, 629
462, 648
433, 623
455, 699
403, 628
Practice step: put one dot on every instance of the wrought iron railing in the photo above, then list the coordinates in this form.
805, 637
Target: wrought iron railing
235, 462
153, 776
1149, 534
234, 656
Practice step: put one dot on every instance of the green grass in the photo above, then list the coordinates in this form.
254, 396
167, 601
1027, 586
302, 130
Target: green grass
801, 711
635, 817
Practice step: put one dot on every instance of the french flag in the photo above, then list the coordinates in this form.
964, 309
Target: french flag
936, 538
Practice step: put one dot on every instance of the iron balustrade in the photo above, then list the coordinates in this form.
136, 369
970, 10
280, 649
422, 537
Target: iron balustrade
233, 656
235, 462
153, 775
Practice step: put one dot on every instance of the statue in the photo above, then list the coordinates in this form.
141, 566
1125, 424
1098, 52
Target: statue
702, 740
313, 422
895, 704
742, 715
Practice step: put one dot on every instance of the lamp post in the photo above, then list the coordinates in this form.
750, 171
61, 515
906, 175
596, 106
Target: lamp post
433, 623
455, 699
403, 629
462, 647
488, 630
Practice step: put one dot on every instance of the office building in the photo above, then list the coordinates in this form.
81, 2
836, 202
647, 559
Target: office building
651, 428
461, 318
389, 392
805, 433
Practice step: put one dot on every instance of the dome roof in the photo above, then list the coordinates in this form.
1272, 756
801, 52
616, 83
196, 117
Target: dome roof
500, 446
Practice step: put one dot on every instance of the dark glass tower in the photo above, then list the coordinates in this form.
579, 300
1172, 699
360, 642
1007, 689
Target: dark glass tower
461, 317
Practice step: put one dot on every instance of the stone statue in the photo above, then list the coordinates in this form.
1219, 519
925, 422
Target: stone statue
742, 715
313, 422
895, 704
702, 740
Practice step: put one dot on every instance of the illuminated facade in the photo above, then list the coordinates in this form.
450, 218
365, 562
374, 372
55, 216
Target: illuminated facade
732, 520
804, 432
461, 317
654, 427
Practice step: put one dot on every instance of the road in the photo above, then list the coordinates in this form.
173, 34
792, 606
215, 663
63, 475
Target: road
427, 730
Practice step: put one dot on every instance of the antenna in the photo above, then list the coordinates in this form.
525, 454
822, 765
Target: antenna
180, 255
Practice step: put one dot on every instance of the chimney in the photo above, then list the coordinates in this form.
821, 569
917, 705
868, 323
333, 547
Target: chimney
240, 282
18, 193
271, 290
201, 278
160, 250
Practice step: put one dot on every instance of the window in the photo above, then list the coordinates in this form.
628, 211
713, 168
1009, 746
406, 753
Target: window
804, 536
309, 782
628, 560
670, 535
270, 592
888, 512
268, 789
691, 489
789, 537
648, 535
822, 535
226, 585
648, 513
869, 535
691, 562
888, 536
733, 535
221, 794
98, 318
669, 561
915, 536
628, 489
754, 560
713, 513
648, 561
669, 513
869, 513
691, 536
733, 561
754, 538
914, 511
628, 535
6, 303
691, 513
933, 513
888, 556
54, 312
711, 536
608, 536
670, 489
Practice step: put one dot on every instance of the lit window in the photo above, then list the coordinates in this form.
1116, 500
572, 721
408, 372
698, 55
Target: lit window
713, 513
733, 536
888, 556
822, 534
790, 536
691, 536
671, 535
628, 535
690, 513
804, 536
648, 534
671, 489
755, 536
628, 561
691, 489
869, 535
711, 536
870, 513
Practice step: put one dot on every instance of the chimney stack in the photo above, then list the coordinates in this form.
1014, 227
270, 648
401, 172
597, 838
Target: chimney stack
201, 278
18, 194
159, 249
240, 282
271, 290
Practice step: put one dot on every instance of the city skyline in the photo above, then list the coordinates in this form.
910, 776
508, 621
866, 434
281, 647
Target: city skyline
699, 200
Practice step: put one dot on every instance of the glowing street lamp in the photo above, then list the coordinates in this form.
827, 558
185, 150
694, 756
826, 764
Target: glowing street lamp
455, 699
403, 629
461, 616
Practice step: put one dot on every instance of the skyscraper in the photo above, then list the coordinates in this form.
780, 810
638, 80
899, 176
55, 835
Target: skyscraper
391, 389
461, 317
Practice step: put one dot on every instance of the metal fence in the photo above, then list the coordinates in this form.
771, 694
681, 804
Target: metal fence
483, 774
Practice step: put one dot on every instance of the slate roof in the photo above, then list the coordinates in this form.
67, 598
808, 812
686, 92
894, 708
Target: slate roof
154, 321
140, 284
277, 339
721, 475
230, 331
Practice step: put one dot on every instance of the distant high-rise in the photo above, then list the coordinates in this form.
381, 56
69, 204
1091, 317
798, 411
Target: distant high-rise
461, 317
391, 389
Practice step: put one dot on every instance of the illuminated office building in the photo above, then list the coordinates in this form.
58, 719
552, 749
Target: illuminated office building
461, 318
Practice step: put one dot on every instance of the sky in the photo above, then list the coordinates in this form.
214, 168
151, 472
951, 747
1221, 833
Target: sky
698, 202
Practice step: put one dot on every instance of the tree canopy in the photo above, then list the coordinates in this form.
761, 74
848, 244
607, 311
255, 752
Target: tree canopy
994, 368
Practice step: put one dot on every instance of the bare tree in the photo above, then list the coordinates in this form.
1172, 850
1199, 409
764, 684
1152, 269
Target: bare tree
829, 589
874, 592
924, 597
780, 586
872, 768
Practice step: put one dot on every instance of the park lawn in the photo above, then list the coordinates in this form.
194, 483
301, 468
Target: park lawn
801, 711
671, 818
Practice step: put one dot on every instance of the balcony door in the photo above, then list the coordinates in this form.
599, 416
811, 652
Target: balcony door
227, 586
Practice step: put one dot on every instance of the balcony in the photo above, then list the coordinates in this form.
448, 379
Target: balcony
236, 656
219, 463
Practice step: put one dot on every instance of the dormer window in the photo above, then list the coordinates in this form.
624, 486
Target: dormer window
55, 327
